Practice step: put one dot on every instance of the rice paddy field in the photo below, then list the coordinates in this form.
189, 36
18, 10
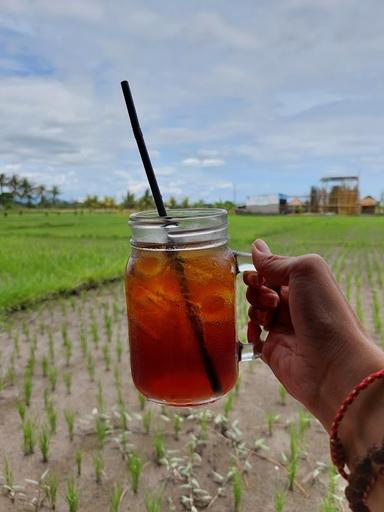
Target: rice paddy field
75, 435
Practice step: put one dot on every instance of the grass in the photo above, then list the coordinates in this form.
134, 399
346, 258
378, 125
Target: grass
43, 256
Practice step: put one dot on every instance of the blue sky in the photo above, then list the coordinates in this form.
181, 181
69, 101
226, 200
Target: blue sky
264, 95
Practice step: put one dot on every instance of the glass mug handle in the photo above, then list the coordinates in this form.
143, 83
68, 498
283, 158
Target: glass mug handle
246, 350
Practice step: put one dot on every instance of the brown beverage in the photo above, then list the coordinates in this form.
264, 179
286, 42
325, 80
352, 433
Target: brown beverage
177, 301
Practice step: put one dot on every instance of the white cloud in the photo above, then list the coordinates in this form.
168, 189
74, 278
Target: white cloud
203, 162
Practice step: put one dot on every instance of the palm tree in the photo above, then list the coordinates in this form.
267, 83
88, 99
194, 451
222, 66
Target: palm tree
26, 190
146, 200
3, 182
40, 190
129, 201
55, 192
14, 183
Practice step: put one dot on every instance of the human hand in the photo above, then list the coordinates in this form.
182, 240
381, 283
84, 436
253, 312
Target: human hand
316, 346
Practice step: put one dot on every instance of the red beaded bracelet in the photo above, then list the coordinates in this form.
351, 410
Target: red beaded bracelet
337, 451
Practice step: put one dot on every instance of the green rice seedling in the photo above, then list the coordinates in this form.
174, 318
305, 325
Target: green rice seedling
158, 448
70, 415
348, 286
98, 464
68, 353
29, 436
44, 366
117, 379
101, 429
16, 345
50, 490
237, 386
72, 302
119, 350
8, 475
203, 424
108, 327
106, 357
64, 334
100, 398
305, 421
25, 331
135, 467
42, 328
83, 343
282, 395
293, 457
27, 388
95, 334
115, 311
124, 416
67, 378
116, 497
142, 401
31, 362
329, 503
237, 489
177, 421
228, 405
279, 502
153, 502
52, 377
72, 496
79, 462
44, 440
147, 419
51, 416
271, 418
51, 347
91, 368
21, 408
377, 312
10, 374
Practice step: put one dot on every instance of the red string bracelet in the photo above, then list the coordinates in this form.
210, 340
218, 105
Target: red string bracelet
339, 458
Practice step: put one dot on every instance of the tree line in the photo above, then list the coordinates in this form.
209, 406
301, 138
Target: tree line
18, 191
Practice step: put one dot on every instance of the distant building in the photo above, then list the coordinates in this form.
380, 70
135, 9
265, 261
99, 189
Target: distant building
368, 205
296, 205
264, 204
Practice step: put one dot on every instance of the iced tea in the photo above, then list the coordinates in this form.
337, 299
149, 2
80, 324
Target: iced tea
178, 301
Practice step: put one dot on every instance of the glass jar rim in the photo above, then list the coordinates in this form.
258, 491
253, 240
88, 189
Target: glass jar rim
153, 217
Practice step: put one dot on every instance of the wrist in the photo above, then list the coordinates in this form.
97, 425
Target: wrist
362, 427
345, 372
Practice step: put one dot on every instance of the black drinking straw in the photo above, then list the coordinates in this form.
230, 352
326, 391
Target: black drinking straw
191, 308
143, 149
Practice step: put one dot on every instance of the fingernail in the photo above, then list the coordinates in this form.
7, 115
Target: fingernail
261, 246
254, 280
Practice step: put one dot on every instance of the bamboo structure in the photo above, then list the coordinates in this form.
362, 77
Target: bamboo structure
340, 195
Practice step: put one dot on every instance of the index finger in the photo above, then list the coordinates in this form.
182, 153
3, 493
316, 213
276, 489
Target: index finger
253, 278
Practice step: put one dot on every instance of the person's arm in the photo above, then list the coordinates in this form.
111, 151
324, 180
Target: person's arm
317, 347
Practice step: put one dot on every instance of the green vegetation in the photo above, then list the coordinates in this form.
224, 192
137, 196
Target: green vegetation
45, 253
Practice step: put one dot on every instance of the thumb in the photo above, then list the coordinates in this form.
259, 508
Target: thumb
275, 269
